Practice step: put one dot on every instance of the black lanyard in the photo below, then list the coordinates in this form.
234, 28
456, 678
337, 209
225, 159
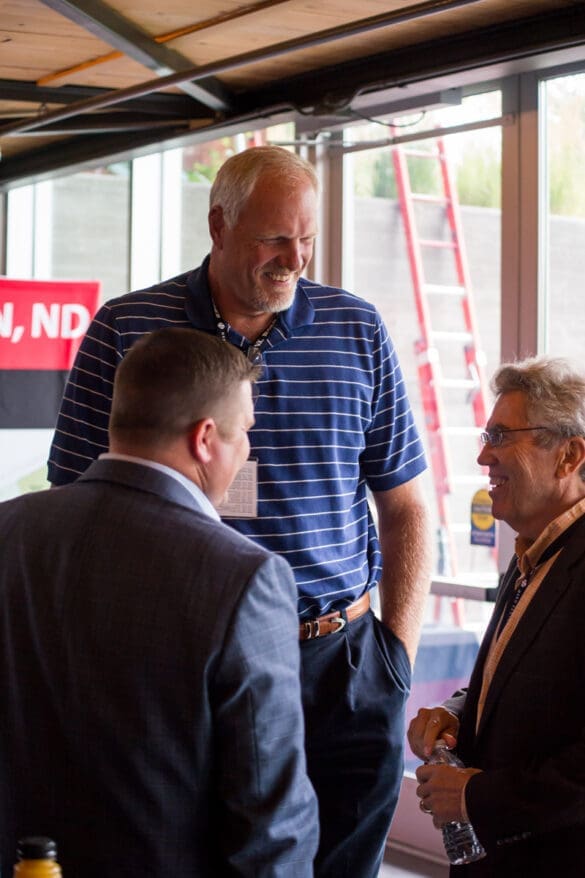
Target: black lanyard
254, 350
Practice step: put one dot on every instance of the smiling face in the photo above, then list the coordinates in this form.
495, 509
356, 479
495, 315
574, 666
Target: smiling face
526, 486
256, 264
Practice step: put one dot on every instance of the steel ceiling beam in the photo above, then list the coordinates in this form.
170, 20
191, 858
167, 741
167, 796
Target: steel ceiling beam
106, 123
365, 25
75, 153
523, 44
336, 86
83, 153
157, 104
104, 22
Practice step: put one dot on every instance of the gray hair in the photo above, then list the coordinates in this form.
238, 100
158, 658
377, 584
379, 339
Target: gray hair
555, 395
237, 177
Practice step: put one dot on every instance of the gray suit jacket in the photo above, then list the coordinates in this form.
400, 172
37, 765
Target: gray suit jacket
529, 806
150, 717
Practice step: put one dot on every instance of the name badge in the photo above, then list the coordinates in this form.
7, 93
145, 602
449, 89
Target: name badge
241, 500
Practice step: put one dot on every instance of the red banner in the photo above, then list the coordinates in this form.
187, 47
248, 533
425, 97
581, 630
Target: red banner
42, 322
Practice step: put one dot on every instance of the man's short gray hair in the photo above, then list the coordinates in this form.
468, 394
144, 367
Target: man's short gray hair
237, 177
555, 394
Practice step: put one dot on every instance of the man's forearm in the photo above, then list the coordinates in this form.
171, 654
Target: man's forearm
406, 551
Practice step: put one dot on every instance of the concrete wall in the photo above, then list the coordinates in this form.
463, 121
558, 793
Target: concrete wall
90, 230
383, 276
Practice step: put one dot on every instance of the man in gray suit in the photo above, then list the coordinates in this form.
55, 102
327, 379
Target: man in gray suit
150, 715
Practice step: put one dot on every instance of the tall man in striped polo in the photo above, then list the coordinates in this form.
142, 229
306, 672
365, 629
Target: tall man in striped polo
332, 421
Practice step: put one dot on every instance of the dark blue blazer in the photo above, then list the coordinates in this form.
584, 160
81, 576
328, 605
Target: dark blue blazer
150, 717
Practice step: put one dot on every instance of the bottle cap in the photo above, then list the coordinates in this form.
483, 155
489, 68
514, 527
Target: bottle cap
36, 847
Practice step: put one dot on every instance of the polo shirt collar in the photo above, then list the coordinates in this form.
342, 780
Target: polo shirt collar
301, 312
199, 308
198, 305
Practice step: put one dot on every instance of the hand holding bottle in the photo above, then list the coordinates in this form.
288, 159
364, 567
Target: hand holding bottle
429, 724
441, 785
440, 791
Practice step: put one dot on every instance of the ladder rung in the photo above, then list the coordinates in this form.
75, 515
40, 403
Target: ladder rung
459, 383
450, 335
448, 245
444, 290
434, 199
422, 153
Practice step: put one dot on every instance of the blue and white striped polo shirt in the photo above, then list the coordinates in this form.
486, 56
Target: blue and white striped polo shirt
332, 419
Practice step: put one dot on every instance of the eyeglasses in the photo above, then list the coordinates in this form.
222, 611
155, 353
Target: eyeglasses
495, 437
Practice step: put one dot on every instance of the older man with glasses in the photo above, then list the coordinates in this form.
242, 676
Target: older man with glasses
520, 724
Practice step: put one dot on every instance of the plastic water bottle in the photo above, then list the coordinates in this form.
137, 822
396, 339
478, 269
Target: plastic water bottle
461, 843
37, 858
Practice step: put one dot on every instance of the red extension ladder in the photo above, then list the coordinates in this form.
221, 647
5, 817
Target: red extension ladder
446, 339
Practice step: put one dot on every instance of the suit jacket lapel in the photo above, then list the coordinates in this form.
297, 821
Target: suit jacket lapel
554, 585
475, 681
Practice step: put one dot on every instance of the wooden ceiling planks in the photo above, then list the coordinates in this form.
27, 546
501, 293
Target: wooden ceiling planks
40, 45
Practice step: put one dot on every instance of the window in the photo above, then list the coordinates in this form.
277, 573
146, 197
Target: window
563, 129
126, 225
424, 228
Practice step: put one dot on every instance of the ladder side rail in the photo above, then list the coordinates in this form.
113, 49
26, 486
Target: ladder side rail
428, 364
404, 191
473, 356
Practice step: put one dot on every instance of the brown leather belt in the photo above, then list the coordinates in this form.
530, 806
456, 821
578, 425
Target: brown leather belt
331, 623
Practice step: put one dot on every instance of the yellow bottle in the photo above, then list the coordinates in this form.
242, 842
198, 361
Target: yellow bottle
37, 858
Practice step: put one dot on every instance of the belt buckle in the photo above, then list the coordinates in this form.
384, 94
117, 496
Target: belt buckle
313, 627
341, 623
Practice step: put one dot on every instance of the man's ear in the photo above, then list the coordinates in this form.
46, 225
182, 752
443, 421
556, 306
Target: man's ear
572, 456
201, 437
216, 225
